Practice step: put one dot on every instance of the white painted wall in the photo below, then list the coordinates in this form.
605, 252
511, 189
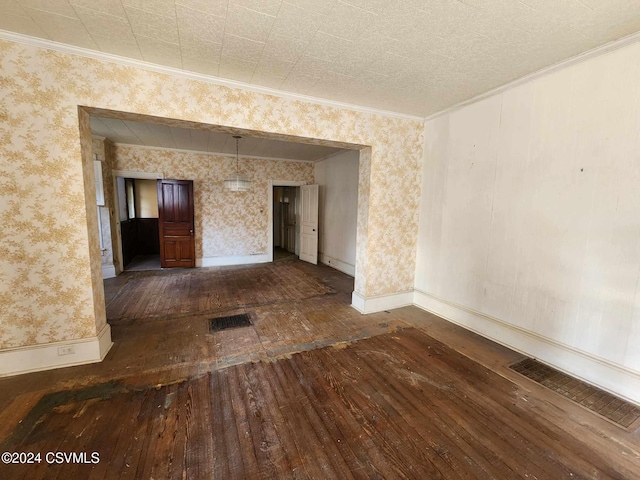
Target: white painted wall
337, 210
530, 218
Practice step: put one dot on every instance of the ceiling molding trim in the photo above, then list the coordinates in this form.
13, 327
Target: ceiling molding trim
137, 174
582, 57
211, 154
334, 154
129, 62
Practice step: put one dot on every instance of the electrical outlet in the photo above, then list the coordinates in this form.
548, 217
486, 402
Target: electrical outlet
66, 351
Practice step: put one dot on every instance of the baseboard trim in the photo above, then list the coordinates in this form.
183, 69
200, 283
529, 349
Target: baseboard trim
381, 303
609, 376
232, 260
343, 267
37, 358
108, 271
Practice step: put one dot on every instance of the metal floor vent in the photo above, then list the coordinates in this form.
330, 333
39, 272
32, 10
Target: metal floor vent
231, 321
609, 406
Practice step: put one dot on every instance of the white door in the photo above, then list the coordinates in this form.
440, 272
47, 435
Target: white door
309, 223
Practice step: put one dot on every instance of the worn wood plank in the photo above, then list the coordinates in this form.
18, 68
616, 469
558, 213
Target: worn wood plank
534, 432
441, 442
312, 390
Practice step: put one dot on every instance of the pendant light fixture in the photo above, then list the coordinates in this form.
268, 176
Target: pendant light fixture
237, 182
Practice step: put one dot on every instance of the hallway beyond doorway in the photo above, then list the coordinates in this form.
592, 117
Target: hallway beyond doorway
280, 254
141, 263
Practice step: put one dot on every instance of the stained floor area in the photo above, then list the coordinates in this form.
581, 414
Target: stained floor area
312, 389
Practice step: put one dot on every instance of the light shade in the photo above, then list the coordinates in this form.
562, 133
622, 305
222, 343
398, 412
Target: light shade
237, 183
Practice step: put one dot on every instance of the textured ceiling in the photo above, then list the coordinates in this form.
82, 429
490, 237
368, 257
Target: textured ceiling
410, 56
158, 135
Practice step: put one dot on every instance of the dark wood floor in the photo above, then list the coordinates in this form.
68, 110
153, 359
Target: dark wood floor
311, 390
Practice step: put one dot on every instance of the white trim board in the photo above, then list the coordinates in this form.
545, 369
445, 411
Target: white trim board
137, 174
108, 271
36, 358
614, 378
381, 303
176, 72
344, 267
232, 260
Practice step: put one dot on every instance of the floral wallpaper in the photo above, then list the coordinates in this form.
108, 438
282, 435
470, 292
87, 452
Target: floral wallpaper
227, 223
50, 273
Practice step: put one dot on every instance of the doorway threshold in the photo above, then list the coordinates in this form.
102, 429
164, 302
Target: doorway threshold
143, 262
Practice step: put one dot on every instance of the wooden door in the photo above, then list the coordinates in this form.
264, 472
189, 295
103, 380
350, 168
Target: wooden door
175, 222
309, 223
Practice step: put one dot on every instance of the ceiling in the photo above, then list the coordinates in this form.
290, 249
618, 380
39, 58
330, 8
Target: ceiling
203, 140
409, 56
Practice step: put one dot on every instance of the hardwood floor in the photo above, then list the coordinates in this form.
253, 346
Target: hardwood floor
312, 389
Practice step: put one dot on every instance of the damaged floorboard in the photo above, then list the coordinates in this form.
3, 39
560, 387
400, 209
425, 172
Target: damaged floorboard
312, 389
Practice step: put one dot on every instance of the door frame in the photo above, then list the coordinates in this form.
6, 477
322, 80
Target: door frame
116, 205
270, 184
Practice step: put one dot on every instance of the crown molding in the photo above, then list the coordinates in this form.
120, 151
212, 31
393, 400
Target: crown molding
582, 57
176, 72
211, 154
106, 57
335, 154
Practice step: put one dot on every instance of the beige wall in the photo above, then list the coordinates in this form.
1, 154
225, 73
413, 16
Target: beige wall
146, 198
227, 223
52, 255
530, 216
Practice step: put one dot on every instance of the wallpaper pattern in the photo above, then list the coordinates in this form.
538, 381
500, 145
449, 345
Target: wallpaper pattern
227, 223
47, 254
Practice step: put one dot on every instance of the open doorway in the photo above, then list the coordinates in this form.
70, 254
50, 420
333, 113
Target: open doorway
285, 223
138, 222
229, 227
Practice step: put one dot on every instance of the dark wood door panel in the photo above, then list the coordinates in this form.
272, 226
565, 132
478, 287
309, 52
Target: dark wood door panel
184, 203
148, 236
170, 251
177, 230
168, 202
176, 223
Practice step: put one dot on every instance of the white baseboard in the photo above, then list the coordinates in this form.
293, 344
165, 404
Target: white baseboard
382, 302
597, 371
237, 260
108, 271
344, 267
36, 358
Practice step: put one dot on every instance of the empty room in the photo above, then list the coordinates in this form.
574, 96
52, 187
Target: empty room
320, 239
